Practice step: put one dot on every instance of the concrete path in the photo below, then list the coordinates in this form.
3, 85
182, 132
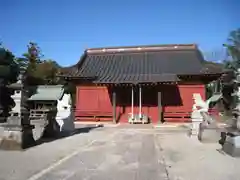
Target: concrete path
119, 153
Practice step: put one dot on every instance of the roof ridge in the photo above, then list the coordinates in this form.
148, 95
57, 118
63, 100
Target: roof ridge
142, 48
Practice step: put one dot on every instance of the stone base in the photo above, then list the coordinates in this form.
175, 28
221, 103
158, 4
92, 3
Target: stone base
66, 125
194, 128
209, 136
39, 126
209, 133
16, 139
52, 130
232, 146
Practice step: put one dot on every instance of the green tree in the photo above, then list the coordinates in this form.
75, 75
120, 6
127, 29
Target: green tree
233, 50
48, 71
9, 71
30, 59
29, 62
39, 71
33, 56
232, 63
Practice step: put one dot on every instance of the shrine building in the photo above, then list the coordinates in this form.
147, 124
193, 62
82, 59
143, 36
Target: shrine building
156, 82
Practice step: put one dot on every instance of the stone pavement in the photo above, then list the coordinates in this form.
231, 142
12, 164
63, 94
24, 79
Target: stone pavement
103, 153
119, 156
188, 159
15, 165
120, 153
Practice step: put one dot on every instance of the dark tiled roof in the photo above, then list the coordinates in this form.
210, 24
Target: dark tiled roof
212, 67
140, 64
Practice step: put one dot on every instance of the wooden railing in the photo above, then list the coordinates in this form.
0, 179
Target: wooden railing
93, 115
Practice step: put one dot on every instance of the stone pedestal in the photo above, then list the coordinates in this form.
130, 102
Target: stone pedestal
196, 120
195, 128
209, 133
45, 125
15, 136
66, 124
231, 146
52, 130
2, 119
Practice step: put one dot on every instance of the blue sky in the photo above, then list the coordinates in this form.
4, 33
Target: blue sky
64, 28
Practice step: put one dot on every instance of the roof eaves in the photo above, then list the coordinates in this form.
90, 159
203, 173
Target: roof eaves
82, 58
71, 70
43, 96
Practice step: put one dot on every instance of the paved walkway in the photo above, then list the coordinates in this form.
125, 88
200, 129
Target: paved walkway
188, 159
119, 156
118, 153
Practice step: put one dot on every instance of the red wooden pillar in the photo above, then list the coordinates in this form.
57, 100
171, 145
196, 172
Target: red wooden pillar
132, 102
160, 107
140, 101
114, 106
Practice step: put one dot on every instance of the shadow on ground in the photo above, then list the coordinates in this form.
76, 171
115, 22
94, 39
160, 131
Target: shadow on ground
78, 130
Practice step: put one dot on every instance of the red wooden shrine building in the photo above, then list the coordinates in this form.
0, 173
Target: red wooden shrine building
156, 81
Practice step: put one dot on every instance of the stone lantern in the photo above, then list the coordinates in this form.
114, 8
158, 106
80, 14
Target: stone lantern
17, 131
